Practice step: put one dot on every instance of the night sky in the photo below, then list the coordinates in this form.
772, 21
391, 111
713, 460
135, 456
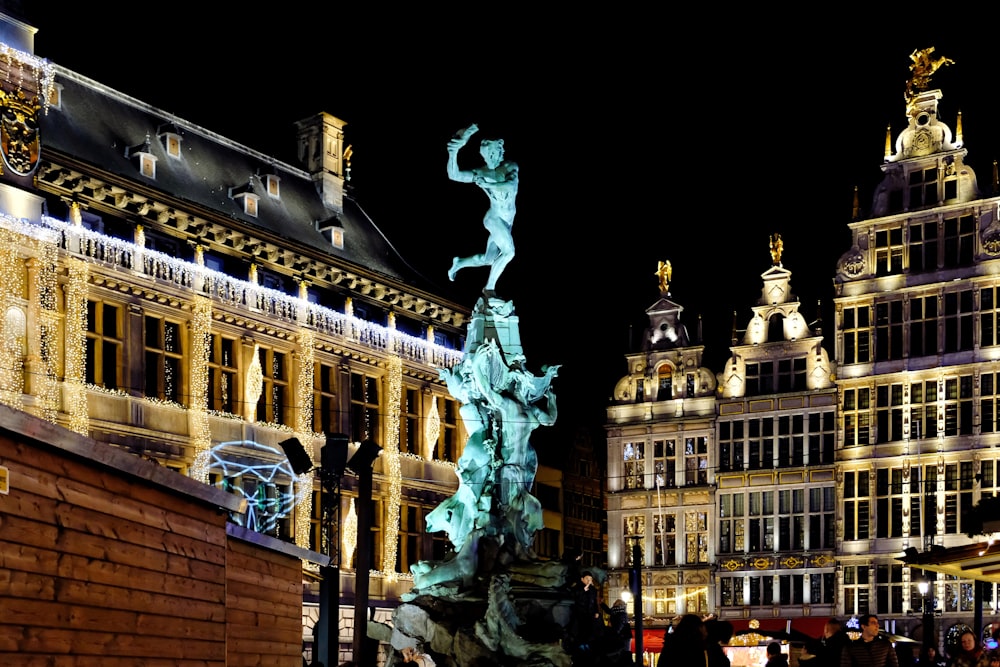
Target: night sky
639, 138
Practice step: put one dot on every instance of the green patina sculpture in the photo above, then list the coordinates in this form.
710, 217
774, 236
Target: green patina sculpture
498, 179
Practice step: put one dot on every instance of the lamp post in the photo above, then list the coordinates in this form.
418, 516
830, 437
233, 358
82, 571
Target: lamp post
361, 464
635, 576
928, 614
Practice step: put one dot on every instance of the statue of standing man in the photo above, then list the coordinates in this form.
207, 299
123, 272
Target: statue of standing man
498, 179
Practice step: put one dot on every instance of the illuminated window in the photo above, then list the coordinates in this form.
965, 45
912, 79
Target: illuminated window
634, 458
857, 416
105, 344
411, 532
822, 588
409, 437
664, 539
665, 391
889, 330
273, 403
857, 335
365, 403
163, 359
857, 505
959, 594
732, 537
856, 590
923, 326
447, 445
272, 184
665, 464
889, 251
633, 526
696, 461
696, 537
326, 411
222, 374
731, 589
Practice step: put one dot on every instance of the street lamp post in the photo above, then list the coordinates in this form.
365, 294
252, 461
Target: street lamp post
636, 585
928, 614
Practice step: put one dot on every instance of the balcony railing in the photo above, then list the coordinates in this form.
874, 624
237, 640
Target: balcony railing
239, 294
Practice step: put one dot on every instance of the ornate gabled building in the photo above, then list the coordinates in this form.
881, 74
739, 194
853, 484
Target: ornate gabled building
660, 431
774, 527
191, 300
727, 481
917, 347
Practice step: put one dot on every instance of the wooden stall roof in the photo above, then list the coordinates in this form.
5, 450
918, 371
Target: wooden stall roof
23, 425
274, 544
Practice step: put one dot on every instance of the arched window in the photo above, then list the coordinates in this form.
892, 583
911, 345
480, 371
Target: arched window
665, 383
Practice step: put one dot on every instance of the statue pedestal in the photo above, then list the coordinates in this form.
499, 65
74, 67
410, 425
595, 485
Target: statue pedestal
494, 319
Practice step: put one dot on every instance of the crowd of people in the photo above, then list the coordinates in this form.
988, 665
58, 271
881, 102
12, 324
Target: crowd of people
696, 642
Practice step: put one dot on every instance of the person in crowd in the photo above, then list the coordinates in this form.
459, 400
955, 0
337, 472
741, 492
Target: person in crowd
929, 657
871, 649
970, 652
827, 649
718, 634
775, 658
685, 646
588, 626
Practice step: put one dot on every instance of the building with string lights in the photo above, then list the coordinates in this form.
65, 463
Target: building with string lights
170, 292
785, 488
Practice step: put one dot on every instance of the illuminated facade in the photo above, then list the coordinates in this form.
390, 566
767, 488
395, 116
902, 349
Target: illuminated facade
816, 476
198, 303
917, 348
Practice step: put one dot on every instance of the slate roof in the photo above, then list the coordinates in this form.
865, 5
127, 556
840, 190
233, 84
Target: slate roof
97, 124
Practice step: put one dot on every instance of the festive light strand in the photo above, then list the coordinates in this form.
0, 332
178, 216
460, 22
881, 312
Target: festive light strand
201, 349
390, 456
76, 346
303, 429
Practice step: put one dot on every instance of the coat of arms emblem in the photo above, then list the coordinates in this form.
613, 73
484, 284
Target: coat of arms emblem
19, 131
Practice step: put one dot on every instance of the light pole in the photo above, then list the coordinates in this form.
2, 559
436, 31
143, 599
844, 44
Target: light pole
635, 575
928, 614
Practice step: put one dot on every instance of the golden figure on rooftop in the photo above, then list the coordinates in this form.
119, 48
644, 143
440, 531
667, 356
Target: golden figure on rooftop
776, 248
923, 68
664, 272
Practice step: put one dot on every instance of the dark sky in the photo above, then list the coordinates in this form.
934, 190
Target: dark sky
640, 137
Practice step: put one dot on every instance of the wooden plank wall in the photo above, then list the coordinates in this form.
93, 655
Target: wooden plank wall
98, 568
107, 560
264, 607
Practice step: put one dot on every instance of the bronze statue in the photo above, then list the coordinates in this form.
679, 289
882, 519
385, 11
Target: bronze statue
776, 248
664, 272
923, 68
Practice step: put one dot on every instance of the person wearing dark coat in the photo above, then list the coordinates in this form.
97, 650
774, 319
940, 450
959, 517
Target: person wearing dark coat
685, 646
775, 658
588, 626
871, 650
827, 649
719, 633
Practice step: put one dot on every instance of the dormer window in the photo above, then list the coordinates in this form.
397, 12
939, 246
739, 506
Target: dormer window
272, 184
246, 198
923, 187
333, 232
170, 136
142, 156
55, 96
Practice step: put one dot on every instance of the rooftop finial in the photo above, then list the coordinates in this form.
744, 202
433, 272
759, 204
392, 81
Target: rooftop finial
888, 141
958, 127
776, 247
665, 273
856, 206
923, 68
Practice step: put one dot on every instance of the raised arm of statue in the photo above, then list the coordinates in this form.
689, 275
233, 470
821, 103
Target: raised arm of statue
455, 144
